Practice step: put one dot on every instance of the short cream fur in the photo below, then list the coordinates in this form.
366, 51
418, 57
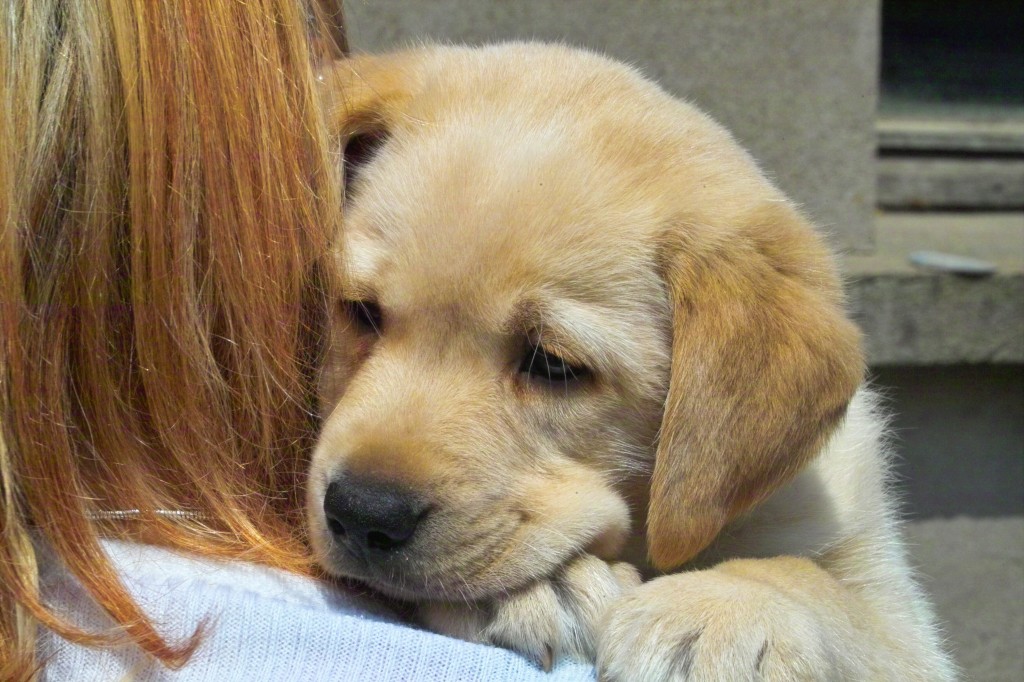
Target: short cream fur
528, 194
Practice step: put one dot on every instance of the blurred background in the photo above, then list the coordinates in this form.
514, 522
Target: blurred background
899, 125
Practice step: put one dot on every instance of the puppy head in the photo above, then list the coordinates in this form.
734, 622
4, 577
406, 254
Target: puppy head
547, 262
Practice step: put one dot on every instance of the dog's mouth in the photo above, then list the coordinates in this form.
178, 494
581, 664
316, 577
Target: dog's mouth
470, 544
467, 553
445, 560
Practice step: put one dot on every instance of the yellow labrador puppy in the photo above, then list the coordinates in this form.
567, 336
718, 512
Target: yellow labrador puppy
574, 306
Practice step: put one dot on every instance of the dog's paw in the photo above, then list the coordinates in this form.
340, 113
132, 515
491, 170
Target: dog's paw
545, 620
721, 625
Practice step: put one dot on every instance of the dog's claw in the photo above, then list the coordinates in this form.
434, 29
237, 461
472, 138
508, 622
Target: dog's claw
547, 658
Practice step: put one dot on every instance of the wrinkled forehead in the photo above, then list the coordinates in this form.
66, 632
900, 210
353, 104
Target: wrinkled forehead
485, 214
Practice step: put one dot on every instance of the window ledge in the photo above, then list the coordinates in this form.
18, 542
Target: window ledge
916, 316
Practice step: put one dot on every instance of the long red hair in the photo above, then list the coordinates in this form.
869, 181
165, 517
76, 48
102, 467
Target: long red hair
168, 198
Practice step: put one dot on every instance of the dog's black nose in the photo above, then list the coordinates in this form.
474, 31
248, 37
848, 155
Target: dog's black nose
374, 515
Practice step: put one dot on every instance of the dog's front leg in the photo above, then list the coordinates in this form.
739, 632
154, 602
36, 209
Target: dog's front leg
781, 619
548, 619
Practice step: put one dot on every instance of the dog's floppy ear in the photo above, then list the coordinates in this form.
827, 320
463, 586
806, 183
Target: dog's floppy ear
366, 92
764, 363
364, 95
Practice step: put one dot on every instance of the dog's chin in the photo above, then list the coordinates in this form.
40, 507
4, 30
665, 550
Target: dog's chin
438, 575
461, 555
415, 588
404, 577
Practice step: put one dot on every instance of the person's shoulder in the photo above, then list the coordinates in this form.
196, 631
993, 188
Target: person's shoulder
261, 623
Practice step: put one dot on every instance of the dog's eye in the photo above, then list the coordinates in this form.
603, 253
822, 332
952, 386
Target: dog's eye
366, 314
541, 364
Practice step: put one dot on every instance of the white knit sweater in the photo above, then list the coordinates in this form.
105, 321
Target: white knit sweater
265, 625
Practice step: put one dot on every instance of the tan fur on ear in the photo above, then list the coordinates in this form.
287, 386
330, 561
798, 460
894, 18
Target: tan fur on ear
764, 363
363, 93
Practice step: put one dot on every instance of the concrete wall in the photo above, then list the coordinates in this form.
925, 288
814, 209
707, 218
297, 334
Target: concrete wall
960, 435
795, 80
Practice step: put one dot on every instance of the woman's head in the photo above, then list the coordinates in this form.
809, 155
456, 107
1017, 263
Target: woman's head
167, 199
